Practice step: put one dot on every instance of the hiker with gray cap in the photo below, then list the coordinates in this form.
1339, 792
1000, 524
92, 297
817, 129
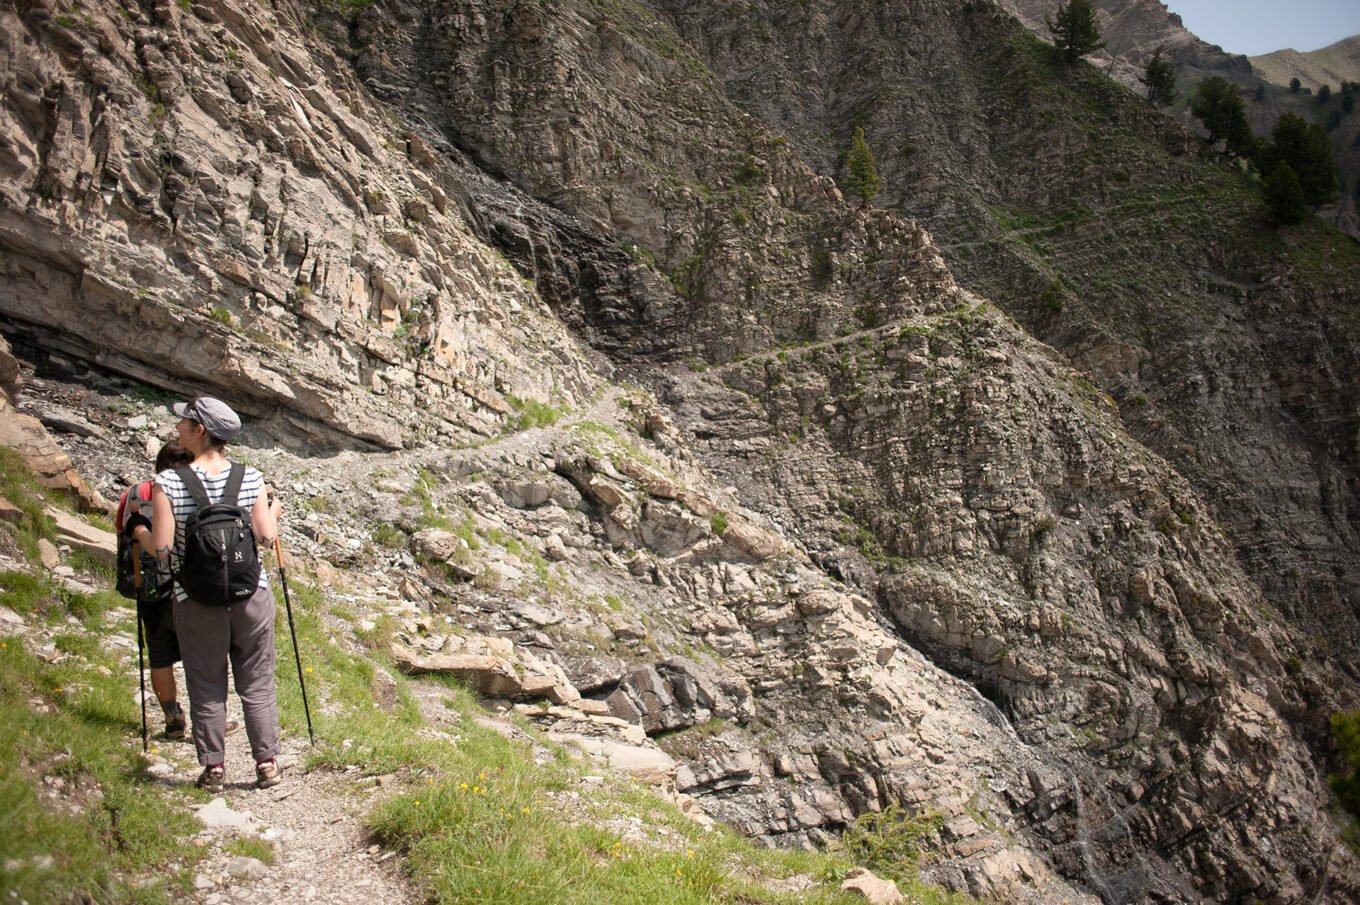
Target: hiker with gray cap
237, 626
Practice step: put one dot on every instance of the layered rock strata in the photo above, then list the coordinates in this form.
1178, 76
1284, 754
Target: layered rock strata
200, 197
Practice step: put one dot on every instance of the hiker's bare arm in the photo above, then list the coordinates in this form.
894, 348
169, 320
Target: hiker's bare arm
137, 527
264, 516
162, 524
142, 538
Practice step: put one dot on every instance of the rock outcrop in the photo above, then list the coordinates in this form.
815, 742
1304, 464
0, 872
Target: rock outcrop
1133, 30
204, 200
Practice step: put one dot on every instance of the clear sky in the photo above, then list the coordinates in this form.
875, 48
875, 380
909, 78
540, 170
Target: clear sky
1256, 27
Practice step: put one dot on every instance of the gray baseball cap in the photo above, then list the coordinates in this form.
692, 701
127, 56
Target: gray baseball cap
214, 414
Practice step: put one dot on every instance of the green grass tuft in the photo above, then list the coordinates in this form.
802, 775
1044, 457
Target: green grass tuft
389, 536
532, 413
20, 488
890, 842
252, 847
83, 821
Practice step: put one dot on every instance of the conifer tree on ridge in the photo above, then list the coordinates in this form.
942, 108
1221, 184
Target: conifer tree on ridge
861, 168
1074, 30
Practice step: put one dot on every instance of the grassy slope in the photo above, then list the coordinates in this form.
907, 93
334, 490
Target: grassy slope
1134, 188
81, 814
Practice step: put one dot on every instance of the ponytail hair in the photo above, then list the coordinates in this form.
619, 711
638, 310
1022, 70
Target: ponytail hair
172, 455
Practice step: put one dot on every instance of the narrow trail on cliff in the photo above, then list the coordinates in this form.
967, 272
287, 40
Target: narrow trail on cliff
313, 822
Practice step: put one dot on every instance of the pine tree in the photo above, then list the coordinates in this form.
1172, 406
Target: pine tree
1219, 105
1346, 742
1074, 30
1305, 148
1284, 196
1159, 77
861, 168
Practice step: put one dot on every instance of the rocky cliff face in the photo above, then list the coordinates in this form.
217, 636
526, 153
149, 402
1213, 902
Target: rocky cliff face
199, 198
1057, 225
726, 224
859, 538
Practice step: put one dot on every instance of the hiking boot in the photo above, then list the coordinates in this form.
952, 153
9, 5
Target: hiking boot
175, 723
212, 779
267, 774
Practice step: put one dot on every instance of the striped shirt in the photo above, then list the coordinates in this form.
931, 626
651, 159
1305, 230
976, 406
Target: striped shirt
252, 484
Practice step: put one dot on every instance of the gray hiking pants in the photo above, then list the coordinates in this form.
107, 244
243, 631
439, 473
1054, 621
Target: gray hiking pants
208, 637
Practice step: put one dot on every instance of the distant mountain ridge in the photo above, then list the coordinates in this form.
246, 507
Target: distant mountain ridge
1133, 30
1331, 65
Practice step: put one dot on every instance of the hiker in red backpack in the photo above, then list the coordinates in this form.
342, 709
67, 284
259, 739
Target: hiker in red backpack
210, 515
154, 605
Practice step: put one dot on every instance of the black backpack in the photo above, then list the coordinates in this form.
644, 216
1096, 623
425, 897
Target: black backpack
219, 564
157, 584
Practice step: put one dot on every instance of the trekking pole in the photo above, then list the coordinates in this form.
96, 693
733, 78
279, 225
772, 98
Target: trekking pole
287, 605
141, 643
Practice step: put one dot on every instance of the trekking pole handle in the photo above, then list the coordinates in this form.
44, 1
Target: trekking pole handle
278, 535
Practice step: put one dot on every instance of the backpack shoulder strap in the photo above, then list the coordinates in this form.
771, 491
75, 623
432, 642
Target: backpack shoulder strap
120, 513
193, 485
232, 492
